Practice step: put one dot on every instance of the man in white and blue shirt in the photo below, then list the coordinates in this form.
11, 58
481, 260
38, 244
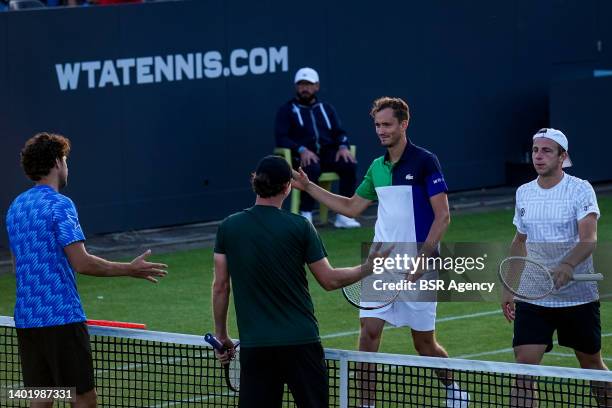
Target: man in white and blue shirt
47, 246
408, 183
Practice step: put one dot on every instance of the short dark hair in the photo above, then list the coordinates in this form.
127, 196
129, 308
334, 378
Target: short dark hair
41, 152
400, 108
264, 187
271, 176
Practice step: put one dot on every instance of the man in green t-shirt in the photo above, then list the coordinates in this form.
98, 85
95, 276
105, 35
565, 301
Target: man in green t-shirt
263, 250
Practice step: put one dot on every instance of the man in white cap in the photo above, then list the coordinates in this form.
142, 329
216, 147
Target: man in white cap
312, 130
556, 224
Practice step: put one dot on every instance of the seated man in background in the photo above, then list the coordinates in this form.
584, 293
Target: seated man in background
312, 130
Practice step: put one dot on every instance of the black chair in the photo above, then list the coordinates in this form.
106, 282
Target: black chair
25, 4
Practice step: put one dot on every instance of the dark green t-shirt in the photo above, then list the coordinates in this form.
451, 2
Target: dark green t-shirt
266, 250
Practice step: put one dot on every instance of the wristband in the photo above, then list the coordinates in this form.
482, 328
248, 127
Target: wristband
301, 149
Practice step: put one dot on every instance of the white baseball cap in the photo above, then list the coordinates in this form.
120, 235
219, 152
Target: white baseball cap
556, 136
306, 74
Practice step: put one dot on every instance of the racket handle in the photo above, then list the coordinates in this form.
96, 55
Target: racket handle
588, 277
212, 340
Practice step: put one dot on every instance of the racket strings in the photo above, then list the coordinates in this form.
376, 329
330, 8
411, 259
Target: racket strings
233, 371
375, 289
526, 279
353, 292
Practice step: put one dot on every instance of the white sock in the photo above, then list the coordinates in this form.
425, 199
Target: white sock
454, 386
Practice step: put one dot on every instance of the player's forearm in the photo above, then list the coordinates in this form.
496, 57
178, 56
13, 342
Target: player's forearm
333, 201
436, 233
581, 251
96, 266
220, 303
518, 248
341, 277
587, 232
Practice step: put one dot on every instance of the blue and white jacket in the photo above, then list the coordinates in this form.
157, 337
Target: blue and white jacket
315, 126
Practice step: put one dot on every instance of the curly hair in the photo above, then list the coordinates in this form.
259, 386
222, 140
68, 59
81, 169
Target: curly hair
400, 108
41, 152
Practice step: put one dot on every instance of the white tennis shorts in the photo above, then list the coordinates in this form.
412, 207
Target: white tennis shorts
419, 316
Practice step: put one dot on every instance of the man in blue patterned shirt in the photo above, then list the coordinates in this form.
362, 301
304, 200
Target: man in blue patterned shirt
47, 245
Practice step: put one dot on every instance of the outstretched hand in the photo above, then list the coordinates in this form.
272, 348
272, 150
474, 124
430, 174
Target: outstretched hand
377, 253
299, 179
141, 268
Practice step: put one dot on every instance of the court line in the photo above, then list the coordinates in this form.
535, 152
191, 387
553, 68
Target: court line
442, 319
554, 353
197, 399
485, 353
510, 349
131, 366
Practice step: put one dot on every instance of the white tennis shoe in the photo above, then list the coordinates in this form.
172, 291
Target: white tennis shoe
455, 397
346, 222
307, 215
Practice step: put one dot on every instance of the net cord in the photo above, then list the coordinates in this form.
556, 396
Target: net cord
368, 357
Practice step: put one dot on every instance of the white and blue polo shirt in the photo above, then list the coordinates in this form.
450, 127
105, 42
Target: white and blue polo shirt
40, 223
403, 190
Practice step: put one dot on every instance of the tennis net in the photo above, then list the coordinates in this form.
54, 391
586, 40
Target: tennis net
135, 368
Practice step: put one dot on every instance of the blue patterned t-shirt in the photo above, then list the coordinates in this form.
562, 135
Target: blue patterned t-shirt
40, 223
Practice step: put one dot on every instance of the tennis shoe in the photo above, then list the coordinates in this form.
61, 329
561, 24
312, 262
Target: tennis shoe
307, 215
456, 398
346, 222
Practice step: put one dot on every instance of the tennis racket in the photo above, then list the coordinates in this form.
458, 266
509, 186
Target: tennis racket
354, 294
370, 292
530, 280
232, 368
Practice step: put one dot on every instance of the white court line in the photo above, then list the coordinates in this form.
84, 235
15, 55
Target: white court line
131, 366
485, 353
510, 349
443, 319
198, 399
554, 353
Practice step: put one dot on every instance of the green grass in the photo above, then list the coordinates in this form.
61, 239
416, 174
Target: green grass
181, 301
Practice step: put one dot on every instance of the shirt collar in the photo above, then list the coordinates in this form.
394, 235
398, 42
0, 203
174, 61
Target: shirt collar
404, 155
43, 186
